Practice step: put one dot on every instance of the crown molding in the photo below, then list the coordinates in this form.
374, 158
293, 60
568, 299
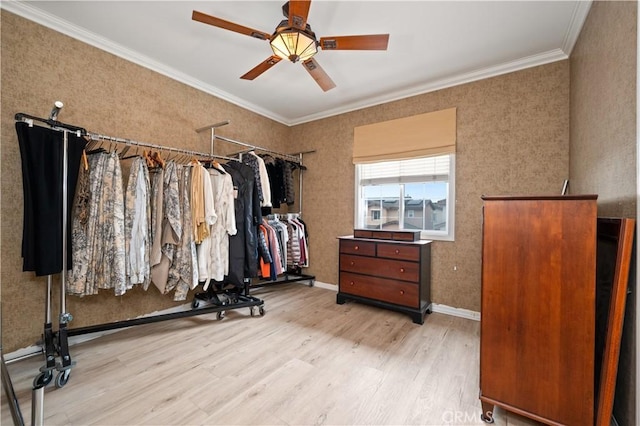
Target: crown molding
23, 9
456, 80
26, 11
580, 13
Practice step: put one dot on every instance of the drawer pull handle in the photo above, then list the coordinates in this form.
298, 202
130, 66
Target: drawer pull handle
401, 269
356, 248
401, 291
352, 263
351, 283
397, 251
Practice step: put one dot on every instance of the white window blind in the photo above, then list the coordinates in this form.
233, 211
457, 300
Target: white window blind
406, 171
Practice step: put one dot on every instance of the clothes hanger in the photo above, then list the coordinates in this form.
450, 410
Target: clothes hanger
158, 159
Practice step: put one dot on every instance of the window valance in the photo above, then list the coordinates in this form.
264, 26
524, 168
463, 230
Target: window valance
422, 135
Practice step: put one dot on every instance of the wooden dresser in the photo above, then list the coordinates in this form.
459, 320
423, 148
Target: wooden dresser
537, 333
389, 274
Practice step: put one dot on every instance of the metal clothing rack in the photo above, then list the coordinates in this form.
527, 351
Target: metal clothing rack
57, 342
292, 275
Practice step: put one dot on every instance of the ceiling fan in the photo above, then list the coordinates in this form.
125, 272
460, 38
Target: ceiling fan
294, 40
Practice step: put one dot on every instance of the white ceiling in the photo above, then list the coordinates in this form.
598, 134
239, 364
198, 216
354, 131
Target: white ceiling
432, 45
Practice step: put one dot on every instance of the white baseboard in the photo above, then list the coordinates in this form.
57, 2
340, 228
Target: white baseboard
435, 307
325, 285
456, 312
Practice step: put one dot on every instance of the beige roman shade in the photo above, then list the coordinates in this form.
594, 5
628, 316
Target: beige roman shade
433, 133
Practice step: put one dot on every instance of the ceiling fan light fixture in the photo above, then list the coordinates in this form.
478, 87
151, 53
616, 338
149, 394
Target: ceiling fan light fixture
293, 44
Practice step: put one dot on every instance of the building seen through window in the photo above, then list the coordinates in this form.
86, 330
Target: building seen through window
407, 195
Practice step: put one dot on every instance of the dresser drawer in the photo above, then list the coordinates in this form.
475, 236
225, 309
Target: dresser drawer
399, 251
399, 293
363, 248
387, 268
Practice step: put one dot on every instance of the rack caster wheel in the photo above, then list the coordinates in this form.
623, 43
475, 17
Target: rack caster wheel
261, 311
219, 315
311, 283
252, 311
42, 379
62, 378
195, 303
487, 417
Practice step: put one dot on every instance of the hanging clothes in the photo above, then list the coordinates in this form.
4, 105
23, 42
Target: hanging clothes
138, 224
262, 179
41, 153
85, 218
293, 246
243, 247
183, 273
276, 180
213, 253
304, 245
282, 235
198, 204
251, 160
171, 230
289, 190
99, 257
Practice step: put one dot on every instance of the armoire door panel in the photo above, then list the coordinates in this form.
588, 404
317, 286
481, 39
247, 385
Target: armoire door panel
538, 298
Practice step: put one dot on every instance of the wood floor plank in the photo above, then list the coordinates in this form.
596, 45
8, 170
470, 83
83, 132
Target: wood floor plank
307, 361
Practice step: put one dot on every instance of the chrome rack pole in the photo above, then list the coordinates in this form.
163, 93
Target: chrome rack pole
14, 406
48, 343
213, 128
300, 181
63, 344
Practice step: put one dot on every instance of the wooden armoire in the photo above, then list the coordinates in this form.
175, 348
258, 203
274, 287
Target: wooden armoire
538, 307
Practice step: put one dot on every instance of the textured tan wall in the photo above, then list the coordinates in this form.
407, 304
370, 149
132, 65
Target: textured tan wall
512, 138
603, 143
106, 94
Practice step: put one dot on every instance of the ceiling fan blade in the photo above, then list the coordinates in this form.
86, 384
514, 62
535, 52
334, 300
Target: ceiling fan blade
261, 67
356, 42
318, 74
298, 12
221, 23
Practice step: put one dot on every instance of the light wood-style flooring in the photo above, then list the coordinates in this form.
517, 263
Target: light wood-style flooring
308, 361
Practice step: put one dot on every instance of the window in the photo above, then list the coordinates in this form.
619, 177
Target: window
415, 194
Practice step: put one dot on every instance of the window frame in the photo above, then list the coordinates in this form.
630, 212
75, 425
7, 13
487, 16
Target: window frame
449, 234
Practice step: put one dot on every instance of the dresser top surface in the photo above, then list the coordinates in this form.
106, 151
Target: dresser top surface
378, 240
540, 197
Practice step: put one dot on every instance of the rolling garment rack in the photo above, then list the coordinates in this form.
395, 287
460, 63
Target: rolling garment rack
56, 342
290, 275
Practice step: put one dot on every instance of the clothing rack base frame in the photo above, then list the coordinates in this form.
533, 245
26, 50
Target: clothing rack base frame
243, 302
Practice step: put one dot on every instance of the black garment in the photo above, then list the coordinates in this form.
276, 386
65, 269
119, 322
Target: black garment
248, 217
237, 242
287, 171
41, 152
251, 160
276, 180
